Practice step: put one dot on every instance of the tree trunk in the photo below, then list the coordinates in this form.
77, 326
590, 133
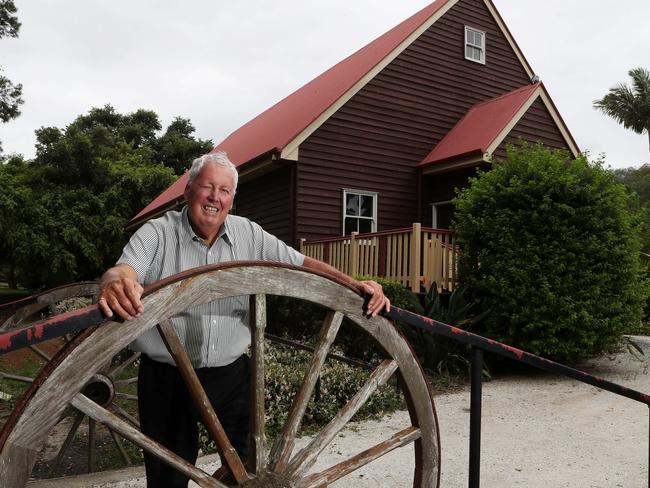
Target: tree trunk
11, 277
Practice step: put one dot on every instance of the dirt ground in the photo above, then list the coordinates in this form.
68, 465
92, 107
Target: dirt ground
539, 431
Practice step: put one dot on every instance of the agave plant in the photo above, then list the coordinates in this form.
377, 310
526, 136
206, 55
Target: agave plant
439, 354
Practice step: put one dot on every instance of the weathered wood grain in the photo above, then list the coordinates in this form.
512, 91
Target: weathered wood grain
257, 443
284, 443
45, 299
346, 467
94, 411
306, 458
57, 387
201, 400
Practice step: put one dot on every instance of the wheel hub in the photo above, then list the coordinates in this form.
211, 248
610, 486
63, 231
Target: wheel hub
100, 390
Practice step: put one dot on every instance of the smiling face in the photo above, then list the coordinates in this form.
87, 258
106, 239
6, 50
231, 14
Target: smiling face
209, 199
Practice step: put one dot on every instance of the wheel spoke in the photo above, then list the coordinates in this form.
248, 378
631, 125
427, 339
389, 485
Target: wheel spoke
307, 456
126, 396
91, 445
21, 315
15, 377
125, 382
118, 443
257, 444
284, 443
344, 468
100, 414
126, 415
39, 352
78, 417
209, 417
115, 372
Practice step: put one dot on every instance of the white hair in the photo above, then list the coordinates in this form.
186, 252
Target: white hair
219, 158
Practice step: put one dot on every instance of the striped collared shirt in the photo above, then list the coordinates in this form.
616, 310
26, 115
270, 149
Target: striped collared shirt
214, 334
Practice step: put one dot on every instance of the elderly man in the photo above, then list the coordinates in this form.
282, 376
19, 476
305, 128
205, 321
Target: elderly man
215, 335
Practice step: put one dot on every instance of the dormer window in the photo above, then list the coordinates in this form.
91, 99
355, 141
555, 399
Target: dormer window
474, 45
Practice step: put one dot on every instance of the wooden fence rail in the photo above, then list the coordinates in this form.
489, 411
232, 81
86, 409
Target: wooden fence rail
415, 256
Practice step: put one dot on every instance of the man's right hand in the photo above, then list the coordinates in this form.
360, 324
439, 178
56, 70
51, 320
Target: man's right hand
120, 293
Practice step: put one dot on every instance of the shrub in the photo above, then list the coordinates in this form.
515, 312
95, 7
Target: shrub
285, 368
551, 247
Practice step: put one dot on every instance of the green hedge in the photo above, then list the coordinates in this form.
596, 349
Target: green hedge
550, 247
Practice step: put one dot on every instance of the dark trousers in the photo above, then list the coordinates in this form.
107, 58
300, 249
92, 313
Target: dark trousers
169, 415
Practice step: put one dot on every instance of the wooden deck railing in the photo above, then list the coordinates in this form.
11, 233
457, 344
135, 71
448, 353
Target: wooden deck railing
413, 256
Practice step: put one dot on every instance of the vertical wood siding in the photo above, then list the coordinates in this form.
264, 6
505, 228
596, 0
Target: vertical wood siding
374, 142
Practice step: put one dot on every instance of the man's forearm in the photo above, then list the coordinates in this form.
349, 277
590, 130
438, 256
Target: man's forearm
317, 265
117, 273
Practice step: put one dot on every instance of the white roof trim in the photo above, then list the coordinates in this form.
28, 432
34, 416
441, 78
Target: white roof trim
290, 148
560, 123
538, 93
290, 151
509, 38
513, 121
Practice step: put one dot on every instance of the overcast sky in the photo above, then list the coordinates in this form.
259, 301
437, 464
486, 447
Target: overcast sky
220, 63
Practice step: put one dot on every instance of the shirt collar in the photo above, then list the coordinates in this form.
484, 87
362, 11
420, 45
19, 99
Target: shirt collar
225, 232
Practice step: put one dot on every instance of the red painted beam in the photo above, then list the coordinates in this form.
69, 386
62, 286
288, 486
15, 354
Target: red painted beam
44, 330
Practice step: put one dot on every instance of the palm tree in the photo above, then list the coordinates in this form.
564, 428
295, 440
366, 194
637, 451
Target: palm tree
630, 106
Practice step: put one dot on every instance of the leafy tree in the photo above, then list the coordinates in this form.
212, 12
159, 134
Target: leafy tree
177, 146
629, 106
550, 246
10, 93
62, 215
638, 181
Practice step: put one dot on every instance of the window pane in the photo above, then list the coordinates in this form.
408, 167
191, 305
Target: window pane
366, 206
365, 225
350, 226
478, 39
468, 51
351, 204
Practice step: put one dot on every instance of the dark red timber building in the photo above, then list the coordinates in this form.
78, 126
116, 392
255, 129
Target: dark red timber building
380, 140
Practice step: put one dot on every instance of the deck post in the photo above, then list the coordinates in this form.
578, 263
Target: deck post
415, 258
302, 245
354, 254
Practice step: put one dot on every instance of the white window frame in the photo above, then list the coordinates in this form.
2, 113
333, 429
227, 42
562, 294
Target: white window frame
434, 212
472, 44
375, 201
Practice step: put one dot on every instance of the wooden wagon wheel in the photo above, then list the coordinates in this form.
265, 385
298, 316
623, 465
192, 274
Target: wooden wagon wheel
104, 387
278, 465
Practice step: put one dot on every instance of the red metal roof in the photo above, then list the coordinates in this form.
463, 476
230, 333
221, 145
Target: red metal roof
481, 125
276, 127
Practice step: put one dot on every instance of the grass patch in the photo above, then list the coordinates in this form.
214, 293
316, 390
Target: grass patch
8, 295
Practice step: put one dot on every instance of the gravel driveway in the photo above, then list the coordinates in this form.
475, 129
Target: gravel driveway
539, 431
